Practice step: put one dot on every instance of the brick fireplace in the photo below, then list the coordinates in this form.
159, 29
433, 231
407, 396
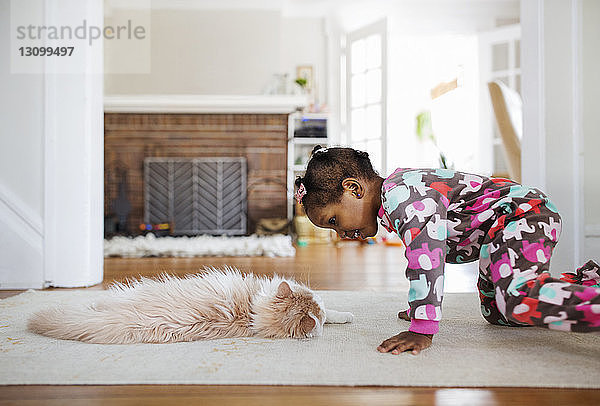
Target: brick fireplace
129, 138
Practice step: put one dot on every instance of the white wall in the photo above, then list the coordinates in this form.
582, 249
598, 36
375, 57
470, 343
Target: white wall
21, 115
51, 181
221, 51
590, 62
304, 42
560, 123
21, 163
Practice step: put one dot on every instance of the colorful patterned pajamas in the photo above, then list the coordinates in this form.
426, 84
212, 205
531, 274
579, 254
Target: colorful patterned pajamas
447, 216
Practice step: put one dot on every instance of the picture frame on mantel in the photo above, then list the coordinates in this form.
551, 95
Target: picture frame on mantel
306, 72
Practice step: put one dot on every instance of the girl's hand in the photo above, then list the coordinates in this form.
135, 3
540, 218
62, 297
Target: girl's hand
406, 341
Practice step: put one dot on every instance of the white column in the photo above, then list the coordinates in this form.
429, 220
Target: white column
552, 153
73, 158
590, 80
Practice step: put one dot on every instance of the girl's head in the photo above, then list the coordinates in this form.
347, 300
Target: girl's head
342, 191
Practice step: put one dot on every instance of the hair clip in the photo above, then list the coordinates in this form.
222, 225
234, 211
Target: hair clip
320, 150
300, 193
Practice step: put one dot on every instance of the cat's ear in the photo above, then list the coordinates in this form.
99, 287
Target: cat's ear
284, 290
307, 324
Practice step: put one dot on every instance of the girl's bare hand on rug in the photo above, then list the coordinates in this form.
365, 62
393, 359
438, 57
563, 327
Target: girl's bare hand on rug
406, 341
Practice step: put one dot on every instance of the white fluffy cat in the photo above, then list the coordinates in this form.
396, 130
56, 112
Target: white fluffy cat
215, 304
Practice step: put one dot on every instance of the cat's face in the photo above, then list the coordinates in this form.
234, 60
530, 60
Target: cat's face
300, 312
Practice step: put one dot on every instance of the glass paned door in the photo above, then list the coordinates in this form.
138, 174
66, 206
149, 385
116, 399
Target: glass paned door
365, 91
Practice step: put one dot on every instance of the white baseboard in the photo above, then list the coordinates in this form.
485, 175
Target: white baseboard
21, 245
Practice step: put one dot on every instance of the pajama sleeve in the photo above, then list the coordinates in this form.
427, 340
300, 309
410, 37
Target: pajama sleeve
418, 214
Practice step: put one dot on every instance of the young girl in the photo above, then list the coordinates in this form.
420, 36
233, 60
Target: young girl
443, 216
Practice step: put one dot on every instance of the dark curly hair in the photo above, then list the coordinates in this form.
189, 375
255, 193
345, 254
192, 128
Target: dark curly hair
326, 170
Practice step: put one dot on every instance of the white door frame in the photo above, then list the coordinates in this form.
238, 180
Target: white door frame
551, 89
533, 145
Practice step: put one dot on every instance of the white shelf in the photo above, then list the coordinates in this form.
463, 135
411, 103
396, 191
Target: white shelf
188, 103
314, 116
306, 140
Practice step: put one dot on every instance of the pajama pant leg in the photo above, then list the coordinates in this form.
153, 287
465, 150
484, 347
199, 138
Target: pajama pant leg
525, 293
489, 310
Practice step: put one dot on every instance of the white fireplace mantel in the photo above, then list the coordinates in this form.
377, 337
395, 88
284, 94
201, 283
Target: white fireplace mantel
251, 104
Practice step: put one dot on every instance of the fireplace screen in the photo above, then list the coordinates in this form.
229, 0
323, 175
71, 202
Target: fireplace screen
196, 195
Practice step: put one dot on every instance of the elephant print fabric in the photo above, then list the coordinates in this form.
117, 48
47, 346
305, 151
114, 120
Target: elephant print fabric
448, 216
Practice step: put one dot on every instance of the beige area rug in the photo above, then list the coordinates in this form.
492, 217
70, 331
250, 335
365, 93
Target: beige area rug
466, 352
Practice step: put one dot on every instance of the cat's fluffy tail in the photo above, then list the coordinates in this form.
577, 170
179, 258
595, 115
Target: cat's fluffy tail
83, 324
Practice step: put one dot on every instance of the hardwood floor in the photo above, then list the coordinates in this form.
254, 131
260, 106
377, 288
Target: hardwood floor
348, 267
150, 395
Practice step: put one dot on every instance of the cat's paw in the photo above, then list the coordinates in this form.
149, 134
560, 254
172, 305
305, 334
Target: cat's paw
333, 316
346, 317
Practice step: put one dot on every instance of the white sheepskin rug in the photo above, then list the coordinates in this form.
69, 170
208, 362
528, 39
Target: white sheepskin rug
200, 246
